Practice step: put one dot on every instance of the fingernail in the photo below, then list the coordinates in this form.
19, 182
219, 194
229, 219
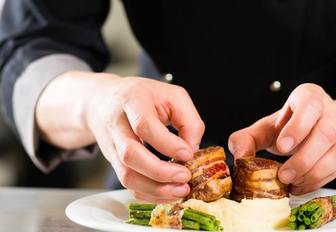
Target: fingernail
286, 144
179, 191
296, 190
287, 176
182, 177
183, 155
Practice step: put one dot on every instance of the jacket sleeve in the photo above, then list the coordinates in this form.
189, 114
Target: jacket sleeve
39, 40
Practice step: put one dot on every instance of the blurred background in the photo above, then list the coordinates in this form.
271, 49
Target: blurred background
16, 169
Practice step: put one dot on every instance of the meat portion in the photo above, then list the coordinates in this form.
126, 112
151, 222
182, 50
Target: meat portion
210, 175
257, 178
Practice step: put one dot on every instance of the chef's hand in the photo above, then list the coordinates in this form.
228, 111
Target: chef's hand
120, 114
305, 129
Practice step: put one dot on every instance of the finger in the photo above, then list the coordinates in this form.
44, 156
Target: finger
185, 118
133, 154
248, 141
299, 190
307, 108
130, 179
148, 198
137, 182
321, 139
145, 123
324, 167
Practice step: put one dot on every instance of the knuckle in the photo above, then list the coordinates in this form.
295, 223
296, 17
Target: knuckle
106, 116
310, 87
305, 164
316, 104
233, 135
160, 175
128, 153
200, 126
313, 94
328, 130
125, 178
159, 191
129, 79
125, 96
316, 89
110, 153
128, 92
298, 130
130, 83
141, 125
181, 91
108, 121
232, 142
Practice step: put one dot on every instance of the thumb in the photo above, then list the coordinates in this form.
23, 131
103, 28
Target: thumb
261, 135
241, 144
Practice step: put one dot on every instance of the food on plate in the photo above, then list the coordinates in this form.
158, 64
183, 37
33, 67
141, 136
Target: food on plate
210, 175
313, 214
174, 216
257, 178
259, 200
247, 215
222, 214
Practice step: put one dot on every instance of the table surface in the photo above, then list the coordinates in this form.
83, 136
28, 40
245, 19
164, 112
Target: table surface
35, 210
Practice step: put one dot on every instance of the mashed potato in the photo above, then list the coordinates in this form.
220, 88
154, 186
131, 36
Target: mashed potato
249, 215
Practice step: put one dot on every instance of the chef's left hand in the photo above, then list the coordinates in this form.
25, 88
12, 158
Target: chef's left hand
305, 129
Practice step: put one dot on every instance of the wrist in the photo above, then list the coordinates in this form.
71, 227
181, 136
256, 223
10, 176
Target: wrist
62, 109
102, 88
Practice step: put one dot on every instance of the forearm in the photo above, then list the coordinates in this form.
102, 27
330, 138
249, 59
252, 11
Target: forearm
62, 109
36, 51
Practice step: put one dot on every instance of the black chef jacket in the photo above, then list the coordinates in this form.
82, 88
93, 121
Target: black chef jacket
238, 59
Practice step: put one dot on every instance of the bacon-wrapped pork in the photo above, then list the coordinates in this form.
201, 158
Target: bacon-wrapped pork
210, 175
257, 178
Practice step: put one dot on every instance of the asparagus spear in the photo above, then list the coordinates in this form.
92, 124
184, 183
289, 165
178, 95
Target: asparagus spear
192, 219
198, 217
140, 213
190, 225
139, 221
138, 206
313, 214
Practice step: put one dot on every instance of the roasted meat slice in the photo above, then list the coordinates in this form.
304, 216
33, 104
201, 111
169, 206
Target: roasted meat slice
257, 178
210, 175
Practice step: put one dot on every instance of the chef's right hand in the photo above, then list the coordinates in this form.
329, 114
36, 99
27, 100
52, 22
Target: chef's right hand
121, 114
126, 112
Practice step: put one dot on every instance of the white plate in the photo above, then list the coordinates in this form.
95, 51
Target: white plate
108, 211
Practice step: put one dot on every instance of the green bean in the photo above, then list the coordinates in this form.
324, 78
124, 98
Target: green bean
138, 206
140, 213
